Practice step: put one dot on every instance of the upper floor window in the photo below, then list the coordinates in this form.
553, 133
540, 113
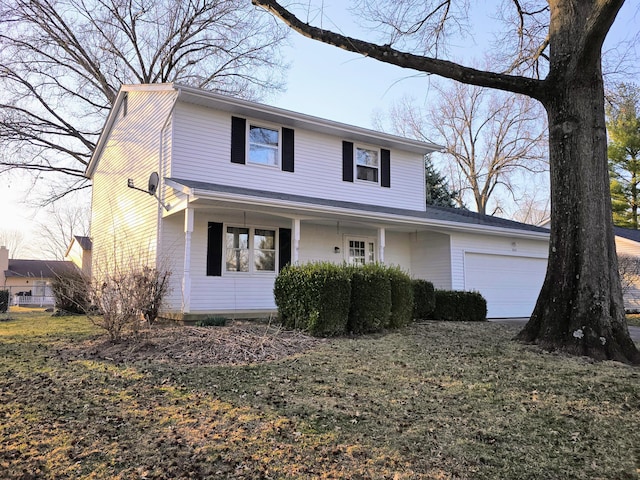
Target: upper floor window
264, 145
257, 144
367, 164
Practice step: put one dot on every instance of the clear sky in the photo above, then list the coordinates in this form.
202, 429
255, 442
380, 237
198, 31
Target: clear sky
323, 81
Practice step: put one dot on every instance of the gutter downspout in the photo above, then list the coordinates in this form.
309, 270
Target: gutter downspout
162, 193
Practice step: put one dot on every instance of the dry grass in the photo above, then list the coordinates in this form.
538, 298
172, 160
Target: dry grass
633, 319
436, 400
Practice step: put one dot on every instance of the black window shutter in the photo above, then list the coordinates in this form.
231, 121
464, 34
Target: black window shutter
214, 249
238, 139
287, 149
385, 168
347, 161
284, 249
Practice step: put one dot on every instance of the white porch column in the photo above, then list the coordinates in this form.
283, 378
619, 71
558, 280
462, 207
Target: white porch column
381, 244
295, 237
186, 275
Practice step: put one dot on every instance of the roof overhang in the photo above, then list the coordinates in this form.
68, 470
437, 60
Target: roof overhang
308, 208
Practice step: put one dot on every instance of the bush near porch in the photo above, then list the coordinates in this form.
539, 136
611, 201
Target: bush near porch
326, 299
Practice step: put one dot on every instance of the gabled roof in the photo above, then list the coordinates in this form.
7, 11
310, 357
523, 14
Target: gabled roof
258, 111
39, 268
628, 233
85, 243
432, 216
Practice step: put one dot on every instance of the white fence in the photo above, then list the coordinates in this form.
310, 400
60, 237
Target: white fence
30, 296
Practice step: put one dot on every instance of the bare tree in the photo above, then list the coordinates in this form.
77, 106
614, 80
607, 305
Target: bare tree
552, 53
488, 136
62, 224
531, 209
63, 61
13, 240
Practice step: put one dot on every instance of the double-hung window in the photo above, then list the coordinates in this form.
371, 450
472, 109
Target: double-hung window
264, 145
367, 164
264, 250
250, 249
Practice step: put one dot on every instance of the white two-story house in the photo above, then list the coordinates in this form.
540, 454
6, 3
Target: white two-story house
241, 189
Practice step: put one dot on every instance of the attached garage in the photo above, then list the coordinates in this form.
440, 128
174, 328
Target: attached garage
510, 284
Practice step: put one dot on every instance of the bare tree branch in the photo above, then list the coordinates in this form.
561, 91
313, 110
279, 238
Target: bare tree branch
385, 53
62, 63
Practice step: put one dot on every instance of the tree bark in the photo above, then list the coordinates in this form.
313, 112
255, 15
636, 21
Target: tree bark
580, 309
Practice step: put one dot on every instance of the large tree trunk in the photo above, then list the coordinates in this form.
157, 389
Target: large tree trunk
580, 308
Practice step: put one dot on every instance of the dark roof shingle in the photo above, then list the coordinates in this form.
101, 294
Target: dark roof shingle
431, 213
39, 268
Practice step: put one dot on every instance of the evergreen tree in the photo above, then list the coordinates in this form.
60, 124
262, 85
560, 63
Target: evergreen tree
437, 191
623, 129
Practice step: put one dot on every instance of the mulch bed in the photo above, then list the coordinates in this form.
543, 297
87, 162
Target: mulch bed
240, 342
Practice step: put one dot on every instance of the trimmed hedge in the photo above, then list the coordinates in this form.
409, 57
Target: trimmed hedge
402, 298
4, 301
314, 297
424, 299
459, 306
370, 299
327, 299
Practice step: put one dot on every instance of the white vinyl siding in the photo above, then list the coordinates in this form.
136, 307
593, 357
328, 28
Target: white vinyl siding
202, 146
431, 258
124, 221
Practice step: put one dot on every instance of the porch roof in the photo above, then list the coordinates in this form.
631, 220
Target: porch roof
432, 216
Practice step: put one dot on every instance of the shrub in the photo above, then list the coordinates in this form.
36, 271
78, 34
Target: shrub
212, 322
71, 293
401, 298
313, 297
4, 301
460, 306
424, 299
370, 298
126, 299
151, 285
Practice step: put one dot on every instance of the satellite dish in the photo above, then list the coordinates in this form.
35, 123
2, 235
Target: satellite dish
154, 179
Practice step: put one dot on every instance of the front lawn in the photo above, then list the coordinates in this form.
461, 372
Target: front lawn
433, 401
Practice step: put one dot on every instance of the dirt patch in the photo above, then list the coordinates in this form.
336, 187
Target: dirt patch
239, 342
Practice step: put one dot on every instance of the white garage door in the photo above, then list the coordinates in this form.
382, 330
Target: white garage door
509, 284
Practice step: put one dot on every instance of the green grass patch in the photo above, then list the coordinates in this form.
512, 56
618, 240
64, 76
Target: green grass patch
434, 400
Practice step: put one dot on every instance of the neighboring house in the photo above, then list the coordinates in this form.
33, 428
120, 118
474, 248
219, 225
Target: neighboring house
627, 244
79, 252
245, 188
29, 281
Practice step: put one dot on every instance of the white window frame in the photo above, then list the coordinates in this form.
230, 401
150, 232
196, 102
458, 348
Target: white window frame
356, 164
278, 150
251, 247
370, 249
